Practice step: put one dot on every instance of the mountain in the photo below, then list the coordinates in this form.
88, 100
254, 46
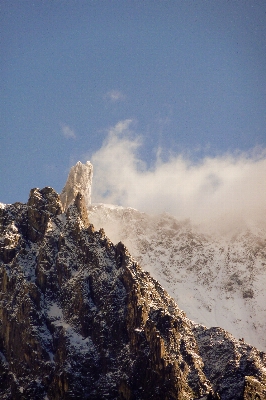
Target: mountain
217, 280
81, 319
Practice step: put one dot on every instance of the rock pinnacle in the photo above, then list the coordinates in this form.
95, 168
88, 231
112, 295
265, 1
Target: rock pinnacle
79, 181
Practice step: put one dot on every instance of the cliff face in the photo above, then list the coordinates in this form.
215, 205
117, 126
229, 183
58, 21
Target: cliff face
79, 319
79, 181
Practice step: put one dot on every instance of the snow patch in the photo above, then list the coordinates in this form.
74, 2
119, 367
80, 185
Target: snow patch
55, 311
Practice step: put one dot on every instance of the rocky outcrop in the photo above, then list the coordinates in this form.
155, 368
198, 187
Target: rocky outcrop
42, 205
80, 319
235, 368
79, 181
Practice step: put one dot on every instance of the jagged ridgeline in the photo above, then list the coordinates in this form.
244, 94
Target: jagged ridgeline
80, 319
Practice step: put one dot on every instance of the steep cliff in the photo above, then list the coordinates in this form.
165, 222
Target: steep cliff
81, 320
79, 180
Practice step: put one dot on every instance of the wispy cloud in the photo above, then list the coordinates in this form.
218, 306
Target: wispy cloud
114, 95
68, 132
223, 191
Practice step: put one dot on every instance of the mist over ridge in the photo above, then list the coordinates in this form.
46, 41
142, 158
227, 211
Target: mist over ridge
223, 192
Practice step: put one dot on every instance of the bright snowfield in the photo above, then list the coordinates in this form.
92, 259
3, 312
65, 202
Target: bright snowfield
216, 280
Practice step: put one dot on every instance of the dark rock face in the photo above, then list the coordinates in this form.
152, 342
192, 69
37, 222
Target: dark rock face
236, 369
79, 319
42, 204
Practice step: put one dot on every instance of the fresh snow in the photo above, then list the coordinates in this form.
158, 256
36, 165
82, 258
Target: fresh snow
216, 280
55, 311
76, 340
110, 206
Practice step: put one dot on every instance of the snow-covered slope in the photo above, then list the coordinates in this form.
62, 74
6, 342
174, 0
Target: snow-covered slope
216, 280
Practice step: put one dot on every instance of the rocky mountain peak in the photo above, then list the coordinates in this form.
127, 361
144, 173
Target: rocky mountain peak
80, 319
42, 204
79, 181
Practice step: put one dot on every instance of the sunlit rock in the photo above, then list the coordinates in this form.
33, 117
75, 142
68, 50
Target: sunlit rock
79, 181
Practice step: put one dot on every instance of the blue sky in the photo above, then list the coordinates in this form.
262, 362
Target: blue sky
190, 75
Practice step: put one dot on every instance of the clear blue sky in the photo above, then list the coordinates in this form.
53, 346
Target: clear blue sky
190, 74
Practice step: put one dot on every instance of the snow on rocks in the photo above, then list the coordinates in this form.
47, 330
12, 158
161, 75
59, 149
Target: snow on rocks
218, 281
81, 319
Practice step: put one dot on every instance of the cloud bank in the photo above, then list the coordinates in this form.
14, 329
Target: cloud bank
220, 192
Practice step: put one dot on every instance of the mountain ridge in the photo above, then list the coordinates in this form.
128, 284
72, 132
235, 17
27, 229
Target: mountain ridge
81, 319
217, 280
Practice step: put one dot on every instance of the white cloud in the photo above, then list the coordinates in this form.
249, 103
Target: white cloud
222, 191
114, 95
68, 132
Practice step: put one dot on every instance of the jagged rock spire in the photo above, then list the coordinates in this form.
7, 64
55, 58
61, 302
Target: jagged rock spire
79, 181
